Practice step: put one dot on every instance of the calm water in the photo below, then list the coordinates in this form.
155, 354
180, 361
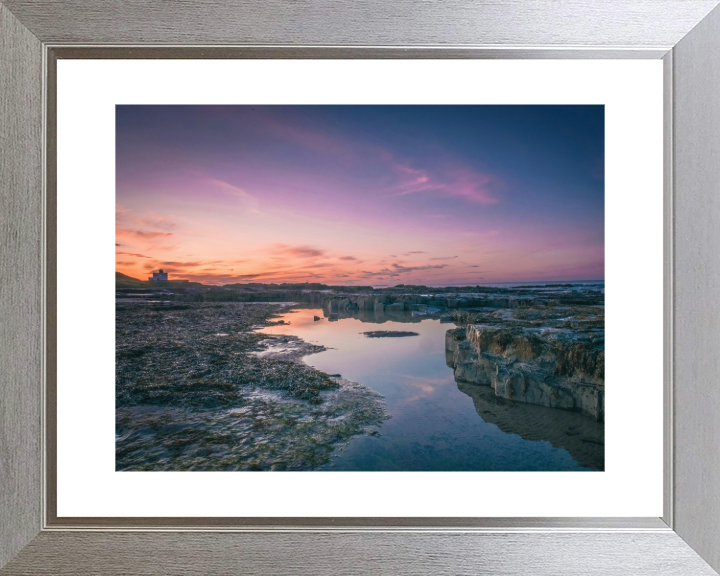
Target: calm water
434, 425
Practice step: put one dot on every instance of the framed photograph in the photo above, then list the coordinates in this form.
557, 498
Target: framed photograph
283, 294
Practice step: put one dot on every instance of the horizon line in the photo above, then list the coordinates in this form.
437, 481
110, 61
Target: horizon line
430, 285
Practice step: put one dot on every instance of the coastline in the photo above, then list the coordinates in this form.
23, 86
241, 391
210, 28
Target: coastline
204, 385
218, 403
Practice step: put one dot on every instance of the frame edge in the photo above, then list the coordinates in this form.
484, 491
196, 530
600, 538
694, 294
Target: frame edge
696, 175
24, 64
20, 284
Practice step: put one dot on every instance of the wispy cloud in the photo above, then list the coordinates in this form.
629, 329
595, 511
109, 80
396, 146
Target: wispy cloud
232, 190
187, 264
179, 266
405, 269
461, 182
397, 270
160, 222
340, 189
130, 219
135, 255
127, 232
292, 130
298, 251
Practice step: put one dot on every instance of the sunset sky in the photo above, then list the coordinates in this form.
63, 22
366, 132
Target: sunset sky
371, 195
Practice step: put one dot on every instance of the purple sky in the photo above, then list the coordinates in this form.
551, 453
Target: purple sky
378, 195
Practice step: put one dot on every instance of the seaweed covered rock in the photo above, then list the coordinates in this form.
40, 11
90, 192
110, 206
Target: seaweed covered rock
199, 388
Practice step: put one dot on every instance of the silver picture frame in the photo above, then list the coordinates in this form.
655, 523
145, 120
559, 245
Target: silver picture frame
685, 34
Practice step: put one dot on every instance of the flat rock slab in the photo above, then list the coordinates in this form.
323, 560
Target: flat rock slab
389, 334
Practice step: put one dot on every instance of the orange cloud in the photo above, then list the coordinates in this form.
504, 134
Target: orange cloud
129, 254
158, 222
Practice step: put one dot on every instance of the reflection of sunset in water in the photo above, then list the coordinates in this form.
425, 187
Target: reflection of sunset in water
434, 425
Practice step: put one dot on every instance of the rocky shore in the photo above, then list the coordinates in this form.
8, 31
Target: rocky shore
552, 356
517, 352
200, 387
541, 345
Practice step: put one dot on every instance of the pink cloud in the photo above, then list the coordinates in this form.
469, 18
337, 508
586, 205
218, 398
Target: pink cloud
459, 182
291, 130
161, 222
229, 189
126, 232
298, 251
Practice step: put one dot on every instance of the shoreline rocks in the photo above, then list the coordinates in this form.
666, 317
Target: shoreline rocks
547, 365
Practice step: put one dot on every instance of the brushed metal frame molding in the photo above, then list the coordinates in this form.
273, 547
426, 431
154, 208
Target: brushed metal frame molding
54, 53
40, 542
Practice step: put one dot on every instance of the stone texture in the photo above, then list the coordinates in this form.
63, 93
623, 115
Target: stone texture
549, 356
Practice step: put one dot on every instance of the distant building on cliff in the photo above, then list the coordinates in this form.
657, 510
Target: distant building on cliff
159, 276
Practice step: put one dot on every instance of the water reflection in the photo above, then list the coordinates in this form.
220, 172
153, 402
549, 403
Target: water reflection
582, 437
376, 316
436, 423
